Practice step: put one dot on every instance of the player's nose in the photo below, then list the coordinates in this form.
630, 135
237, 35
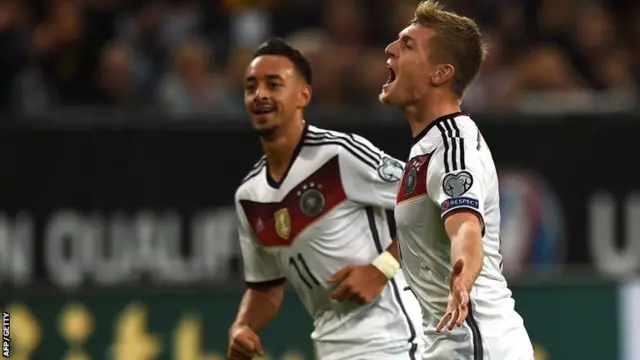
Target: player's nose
261, 94
390, 50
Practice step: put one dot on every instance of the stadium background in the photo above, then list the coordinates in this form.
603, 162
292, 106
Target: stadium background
123, 139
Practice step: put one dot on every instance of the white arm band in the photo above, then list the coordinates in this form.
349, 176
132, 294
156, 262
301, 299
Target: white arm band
387, 264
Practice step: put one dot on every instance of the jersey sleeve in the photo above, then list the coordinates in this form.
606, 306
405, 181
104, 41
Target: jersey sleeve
259, 265
455, 178
370, 176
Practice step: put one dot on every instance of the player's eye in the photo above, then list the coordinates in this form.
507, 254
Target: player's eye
274, 84
407, 43
249, 88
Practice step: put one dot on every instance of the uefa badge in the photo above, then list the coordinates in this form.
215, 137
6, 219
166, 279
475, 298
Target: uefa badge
390, 170
410, 182
455, 185
283, 223
311, 200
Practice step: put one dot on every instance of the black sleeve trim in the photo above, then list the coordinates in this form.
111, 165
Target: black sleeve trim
263, 285
465, 209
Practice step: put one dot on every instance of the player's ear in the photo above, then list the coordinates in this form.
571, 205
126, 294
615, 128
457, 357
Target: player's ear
305, 96
442, 74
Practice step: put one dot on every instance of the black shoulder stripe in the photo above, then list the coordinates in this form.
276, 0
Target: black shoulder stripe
458, 135
256, 168
254, 172
312, 130
371, 148
260, 162
445, 142
348, 142
343, 144
358, 146
249, 177
453, 145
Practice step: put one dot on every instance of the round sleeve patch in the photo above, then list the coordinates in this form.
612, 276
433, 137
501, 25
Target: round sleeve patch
455, 185
390, 169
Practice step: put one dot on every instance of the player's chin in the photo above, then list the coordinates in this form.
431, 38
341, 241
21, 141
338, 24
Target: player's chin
265, 125
263, 120
386, 95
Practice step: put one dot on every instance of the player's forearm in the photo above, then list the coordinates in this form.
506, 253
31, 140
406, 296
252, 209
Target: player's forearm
466, 244
389, 261
393, 250
260, 306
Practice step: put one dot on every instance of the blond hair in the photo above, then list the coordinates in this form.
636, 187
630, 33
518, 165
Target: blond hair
457, 41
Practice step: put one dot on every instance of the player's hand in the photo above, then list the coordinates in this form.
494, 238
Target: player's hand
358, 283
458, 305
244, 343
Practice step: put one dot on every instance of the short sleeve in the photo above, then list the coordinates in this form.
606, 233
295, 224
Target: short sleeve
370, 176
455, 178
259, 265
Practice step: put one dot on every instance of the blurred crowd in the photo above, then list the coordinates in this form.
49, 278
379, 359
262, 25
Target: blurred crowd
187, 56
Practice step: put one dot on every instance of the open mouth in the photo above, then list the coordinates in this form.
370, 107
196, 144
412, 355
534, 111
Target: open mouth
392, 75
263, 109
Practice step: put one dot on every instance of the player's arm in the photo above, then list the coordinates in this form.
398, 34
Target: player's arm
465, 231
265, 282
455, 184
371, 177
260, 305
393, 249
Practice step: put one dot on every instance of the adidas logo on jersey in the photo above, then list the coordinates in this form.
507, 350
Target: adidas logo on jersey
259, 225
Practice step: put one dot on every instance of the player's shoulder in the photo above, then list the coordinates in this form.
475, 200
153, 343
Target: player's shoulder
252, 178
338, 139
463, 126
348, 146
445, 130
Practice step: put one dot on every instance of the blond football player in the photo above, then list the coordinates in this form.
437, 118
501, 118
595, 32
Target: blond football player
447, 211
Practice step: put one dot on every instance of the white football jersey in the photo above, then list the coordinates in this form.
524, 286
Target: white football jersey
327, 212
451, 168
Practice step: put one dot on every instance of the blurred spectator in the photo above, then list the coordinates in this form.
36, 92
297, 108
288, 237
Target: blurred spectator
489, 90
181, 22
327, 62
192, 87
142, 30
14, 44
115, 85
372, 73
142, 54
66, 57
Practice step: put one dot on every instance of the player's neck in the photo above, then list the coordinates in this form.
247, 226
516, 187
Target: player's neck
426, 111
280, 149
